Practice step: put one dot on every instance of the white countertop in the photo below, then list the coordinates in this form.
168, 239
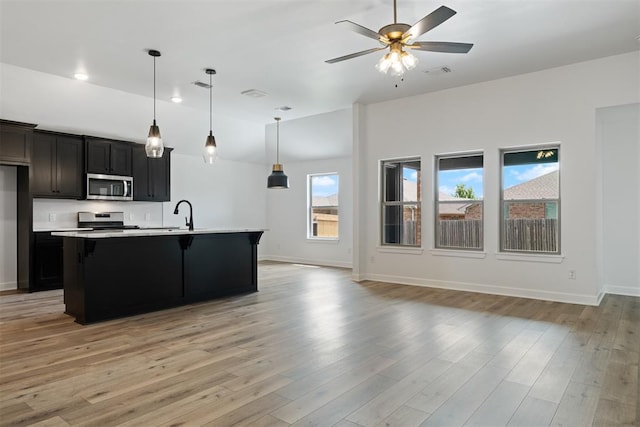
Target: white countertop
101, 234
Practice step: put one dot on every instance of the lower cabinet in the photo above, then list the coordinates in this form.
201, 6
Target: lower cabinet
47, 262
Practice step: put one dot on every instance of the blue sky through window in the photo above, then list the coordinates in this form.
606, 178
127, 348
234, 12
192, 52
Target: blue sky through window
512, 175
324, 185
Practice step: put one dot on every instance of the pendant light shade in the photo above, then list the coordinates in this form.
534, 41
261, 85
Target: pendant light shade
154, 147
210, 148
277, 179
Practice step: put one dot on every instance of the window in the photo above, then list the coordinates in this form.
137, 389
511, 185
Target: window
459, 204
530, 201
401, 211
323, 206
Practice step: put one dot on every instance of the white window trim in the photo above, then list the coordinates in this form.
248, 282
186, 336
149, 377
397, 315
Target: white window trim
395, 247
436, 168
310, 207
549, 257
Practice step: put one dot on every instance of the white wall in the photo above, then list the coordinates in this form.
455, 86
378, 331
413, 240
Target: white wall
618, 149
68, 105
556, 105
8, 228
287, 209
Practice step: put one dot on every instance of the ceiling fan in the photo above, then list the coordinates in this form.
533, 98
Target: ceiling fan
398, 37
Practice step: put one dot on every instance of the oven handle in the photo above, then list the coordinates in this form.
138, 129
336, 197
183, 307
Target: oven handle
126, 188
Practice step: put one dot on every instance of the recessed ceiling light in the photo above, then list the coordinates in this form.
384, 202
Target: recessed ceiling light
80, 76
254, 93
176, 99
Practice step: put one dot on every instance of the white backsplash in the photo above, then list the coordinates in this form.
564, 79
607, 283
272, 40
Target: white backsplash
55, 214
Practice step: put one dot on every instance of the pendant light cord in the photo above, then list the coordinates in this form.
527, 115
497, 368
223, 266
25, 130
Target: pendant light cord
210, 105
278, 141
154, 90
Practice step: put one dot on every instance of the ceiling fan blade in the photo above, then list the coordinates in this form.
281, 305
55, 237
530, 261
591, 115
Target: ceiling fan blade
354, 55
429, 22
360, 29
447, 47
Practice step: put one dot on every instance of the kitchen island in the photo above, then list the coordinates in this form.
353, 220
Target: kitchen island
115, 273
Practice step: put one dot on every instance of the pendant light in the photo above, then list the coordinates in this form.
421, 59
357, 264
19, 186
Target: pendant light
210, 148
277, 179
154, 147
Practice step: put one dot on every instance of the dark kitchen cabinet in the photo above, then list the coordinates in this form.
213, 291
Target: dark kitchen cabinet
57, 162
107, 156
151, 177
15, 142
47, 262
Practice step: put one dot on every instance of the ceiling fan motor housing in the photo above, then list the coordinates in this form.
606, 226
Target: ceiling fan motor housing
394, 32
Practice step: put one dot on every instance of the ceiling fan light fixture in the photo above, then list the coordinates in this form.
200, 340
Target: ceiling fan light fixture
409, 60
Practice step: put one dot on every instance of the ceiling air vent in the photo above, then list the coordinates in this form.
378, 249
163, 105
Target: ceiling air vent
438, 70
202, 84
254, 93
283, 108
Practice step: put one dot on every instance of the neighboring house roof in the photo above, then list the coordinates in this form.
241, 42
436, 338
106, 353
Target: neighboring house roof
543, 187
451, 208
331, 200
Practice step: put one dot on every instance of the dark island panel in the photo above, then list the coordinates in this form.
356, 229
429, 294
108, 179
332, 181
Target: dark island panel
106, 278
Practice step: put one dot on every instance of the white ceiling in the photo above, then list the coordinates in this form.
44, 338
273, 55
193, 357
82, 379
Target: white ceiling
279, 46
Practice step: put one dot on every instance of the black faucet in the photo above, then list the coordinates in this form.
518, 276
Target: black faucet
190, 221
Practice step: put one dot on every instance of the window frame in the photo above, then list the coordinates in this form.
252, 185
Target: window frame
310, 205
502, 205
437, 201
384, 203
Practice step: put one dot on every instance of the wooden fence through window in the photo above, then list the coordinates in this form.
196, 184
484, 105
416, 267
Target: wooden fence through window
530, 235
459, 233
521, 234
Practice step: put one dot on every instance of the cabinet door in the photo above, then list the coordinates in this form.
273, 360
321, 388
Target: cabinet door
43, 165
120, 158
47, 262
140, 174
159, 177
69, 167
15, 143
98, 156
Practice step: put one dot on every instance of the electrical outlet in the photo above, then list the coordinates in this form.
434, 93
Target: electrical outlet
130, 216
147, 216
572, 274
52, 217
372, 259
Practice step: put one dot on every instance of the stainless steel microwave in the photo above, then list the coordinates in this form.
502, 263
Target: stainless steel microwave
109, 187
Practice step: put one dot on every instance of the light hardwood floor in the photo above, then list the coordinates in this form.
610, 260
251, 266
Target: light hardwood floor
314, 348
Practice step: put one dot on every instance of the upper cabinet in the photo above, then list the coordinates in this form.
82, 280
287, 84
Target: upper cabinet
57, 162
110, 157
151, 177
15, 142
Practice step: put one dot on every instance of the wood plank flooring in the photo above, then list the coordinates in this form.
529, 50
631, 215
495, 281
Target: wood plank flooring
313, 348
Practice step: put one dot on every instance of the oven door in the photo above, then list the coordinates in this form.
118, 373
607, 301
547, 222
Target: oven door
109, 187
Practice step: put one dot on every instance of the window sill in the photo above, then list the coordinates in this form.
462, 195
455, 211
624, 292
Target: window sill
546, 258
322, 240
400, 250
459, 253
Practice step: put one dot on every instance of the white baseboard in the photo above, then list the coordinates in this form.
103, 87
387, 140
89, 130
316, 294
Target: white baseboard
296, 260
8, 286
487, 289
630, 291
